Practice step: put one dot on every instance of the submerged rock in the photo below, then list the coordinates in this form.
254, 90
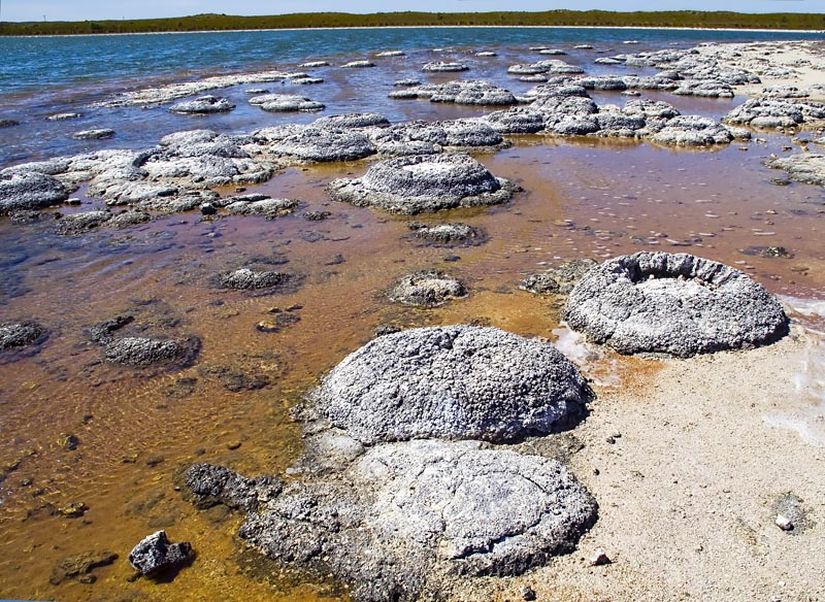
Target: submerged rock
63, 116
808, 168
155, 554
358, 64
452, 382
26, 190
427, 289
448, 235
203, 105
557, 280
285, 103
692, 130
20, 334
78, 223
80, 567
677, 304
410, 519
444, 67
100, 134
210, 485
266, 207
246, 279
410, 185
8, 123
142, 352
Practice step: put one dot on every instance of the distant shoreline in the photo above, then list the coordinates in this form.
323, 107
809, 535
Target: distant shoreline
562, 19
270, 29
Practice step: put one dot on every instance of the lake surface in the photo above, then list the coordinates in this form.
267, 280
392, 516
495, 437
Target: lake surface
138, 429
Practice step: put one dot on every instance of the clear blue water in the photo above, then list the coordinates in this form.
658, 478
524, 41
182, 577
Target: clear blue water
40, 76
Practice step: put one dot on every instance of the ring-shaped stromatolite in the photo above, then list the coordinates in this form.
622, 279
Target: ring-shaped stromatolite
676, 304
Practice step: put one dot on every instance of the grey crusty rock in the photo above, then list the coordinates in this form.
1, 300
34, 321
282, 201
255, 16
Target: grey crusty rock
155, 554
99, 134
352, 120
444, 67
279, 103
247, 279
20, 334
427, 289
452, 382
203, 106
323, 144
410, 185
24, 190
808, 168
676, 304
409, 519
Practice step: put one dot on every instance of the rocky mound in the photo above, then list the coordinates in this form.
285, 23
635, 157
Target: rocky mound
427, 289
21, 190
323, 145
455, 382
677, 304
280, 103
770, 113
246, 279
808, 168
352, 120
410, 185
444, 67
469, 92
142, 352
559, 279
407, 519
203, 105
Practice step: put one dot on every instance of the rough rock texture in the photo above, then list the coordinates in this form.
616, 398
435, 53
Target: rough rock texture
80, 567
358, 64
692, 130
324, 144
420, 137
409, 518
155, 554
210, 485
443, 67
203, 105
8, 123
549, 66
410, 185
142, 352
265, 207
808, 168
677, 304
100, 134
276, 103
468, 92
518, 120
20, 334
448, 235
352, 120
559, 279
78, 223
246, 279
24, 190
770, 113
427, 289
453, 382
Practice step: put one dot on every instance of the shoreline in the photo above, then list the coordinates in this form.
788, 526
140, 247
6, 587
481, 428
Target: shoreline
597, 27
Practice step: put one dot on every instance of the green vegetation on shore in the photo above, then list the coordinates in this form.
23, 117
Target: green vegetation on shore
212, 22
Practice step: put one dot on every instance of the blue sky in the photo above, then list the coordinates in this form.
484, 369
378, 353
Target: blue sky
32, 10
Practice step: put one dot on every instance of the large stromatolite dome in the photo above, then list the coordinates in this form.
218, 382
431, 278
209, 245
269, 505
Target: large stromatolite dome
410, 519
324, 144
410, 185
454, 382
677, 304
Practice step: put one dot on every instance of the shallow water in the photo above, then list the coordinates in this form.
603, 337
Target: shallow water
138, 429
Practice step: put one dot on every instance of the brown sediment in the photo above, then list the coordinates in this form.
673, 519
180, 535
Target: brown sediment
138, 429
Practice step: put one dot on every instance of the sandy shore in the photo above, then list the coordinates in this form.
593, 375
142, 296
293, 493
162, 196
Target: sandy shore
687, 492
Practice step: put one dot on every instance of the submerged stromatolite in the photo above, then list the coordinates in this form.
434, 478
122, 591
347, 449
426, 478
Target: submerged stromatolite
676, 304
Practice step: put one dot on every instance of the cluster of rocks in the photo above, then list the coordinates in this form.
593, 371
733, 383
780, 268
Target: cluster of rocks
423, 183
675, 304
808, 168
545, 67
772, 113
468, 92
402, 500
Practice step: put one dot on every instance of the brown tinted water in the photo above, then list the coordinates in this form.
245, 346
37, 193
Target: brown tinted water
138, 429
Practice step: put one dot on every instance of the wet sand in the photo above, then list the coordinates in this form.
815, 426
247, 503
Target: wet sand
685, 493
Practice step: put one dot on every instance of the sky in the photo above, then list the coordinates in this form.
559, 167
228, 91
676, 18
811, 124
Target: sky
78, 10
